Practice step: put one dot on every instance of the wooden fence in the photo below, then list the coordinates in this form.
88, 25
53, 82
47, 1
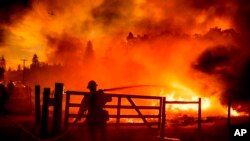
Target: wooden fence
178, 102
153, 118
55, 102
152, 121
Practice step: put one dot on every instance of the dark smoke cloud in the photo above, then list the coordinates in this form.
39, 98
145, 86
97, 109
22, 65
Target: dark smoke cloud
214, 8
233, 66
219, 6
237, 82
204, 3
230, 68
242, 19
239, 86
65, 49
111, 11
212, 58
1, 35
12, 10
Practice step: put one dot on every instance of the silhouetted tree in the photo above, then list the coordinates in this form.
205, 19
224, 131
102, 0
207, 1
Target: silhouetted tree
1, 73
89, 53
35, 61
19, 67
213, 33
3, 62
130, 36
10, 69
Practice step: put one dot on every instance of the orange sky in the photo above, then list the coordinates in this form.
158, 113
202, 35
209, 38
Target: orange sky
201, 45
103, 22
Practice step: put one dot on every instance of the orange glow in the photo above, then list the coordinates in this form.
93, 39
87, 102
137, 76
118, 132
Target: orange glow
163, 50
209, 104
234, 112
103, 22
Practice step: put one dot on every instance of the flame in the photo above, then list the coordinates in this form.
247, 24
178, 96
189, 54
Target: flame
210, 105
172, 97
234, 112
189, 94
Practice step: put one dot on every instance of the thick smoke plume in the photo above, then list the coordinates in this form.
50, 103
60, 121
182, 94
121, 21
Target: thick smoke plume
232, 66
200, 44
11, 11
65, 49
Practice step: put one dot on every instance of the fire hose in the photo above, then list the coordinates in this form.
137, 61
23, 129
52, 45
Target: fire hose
133, 86
69, 129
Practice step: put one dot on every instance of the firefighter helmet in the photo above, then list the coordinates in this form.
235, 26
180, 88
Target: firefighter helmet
91, 84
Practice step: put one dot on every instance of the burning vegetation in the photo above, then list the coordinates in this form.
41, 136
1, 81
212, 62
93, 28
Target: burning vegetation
195, 48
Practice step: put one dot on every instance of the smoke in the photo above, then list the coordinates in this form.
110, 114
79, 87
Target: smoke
242, 17
109, 12
12, 11
65, 49
202, 44
212, 58
239, 87
231, 67
1, 35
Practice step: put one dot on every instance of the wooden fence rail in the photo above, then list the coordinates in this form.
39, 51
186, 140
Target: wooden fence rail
157, 119
118, 106
178, 102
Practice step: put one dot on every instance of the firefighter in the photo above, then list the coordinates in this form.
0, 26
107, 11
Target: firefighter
97, 117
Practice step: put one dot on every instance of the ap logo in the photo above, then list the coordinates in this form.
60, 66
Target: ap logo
240, 132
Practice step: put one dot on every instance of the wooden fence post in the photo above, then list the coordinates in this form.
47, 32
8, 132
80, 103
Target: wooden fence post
66, 114
160, 113
163, 122
37, 103
57, 116
45, 113
199, 115
118, 112
229, 111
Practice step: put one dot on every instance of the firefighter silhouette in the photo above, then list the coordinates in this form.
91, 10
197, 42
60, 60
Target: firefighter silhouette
97, 117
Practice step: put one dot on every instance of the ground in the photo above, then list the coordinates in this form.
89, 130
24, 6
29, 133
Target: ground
23, 128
